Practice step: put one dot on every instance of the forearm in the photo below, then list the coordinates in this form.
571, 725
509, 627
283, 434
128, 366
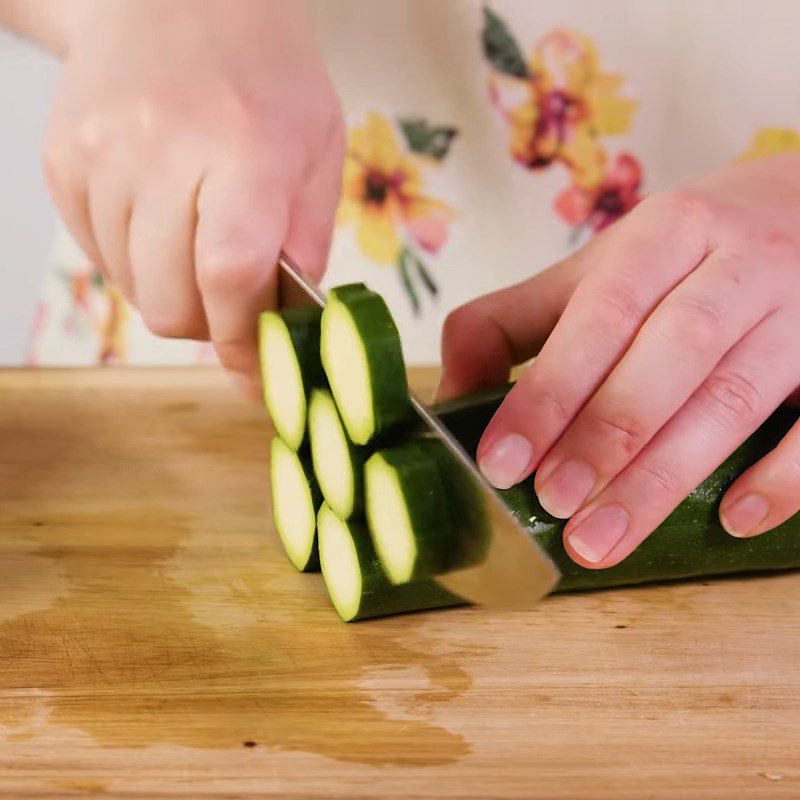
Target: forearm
47, 22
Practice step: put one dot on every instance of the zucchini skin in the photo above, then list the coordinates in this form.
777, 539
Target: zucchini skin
381, 341
689, 543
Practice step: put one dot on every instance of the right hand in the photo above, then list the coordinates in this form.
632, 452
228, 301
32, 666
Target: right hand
190, 143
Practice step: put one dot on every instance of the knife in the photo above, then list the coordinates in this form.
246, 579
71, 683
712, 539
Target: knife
511, 572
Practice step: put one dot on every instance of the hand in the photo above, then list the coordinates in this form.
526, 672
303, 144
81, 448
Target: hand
674, 336
189, 143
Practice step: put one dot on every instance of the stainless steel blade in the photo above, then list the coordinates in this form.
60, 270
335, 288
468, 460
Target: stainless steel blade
513, 571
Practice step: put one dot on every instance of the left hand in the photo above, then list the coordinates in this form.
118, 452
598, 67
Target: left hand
675, 334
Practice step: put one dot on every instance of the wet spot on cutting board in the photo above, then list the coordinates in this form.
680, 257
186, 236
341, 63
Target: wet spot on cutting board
181, 407
159, 608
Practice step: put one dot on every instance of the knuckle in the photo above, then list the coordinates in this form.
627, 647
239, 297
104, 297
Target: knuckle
230, 270
548, 398
172, 324
732, 394
779, 247
617, 309
662, 479
237, 355
461, 320
163, 325
622, 434
692, 323
679, 209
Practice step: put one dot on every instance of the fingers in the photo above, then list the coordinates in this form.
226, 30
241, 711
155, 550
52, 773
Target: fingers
483, 339
66, 178
161, 247
747, 384
768, 493
109, 201
313, 211
598, 325
242, 224
684, 339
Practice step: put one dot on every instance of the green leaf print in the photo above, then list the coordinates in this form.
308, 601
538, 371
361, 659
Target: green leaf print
422, 137
500, 47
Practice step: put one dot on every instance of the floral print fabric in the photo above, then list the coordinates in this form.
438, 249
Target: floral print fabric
560, 106
384, 197
485, 142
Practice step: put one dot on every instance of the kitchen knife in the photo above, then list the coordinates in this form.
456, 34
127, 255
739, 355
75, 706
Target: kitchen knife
509, 570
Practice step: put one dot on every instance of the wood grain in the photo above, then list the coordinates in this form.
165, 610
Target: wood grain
154, 641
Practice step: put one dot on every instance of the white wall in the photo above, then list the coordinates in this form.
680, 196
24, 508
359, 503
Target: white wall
27, 79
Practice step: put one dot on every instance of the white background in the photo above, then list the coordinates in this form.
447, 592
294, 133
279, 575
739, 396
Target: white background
27, 80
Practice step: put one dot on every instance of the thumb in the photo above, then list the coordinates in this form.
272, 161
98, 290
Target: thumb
484, 339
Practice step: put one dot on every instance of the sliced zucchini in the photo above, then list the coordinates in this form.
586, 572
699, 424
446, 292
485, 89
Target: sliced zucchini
290, 367
407, 513
355, 581
363, 361
295, 500
426, 514
338, 463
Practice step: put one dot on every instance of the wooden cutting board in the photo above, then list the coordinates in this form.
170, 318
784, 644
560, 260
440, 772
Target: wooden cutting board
154, 641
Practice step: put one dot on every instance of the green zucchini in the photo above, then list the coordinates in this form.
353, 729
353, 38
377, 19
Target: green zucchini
289, 353
689, 543
338, 463
407, 513
417, 499
295, 500
363, 360
355, 581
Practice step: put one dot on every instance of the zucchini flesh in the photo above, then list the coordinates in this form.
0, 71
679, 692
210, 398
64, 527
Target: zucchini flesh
289, 354
295, 500
355, 581
363, 360
338, 463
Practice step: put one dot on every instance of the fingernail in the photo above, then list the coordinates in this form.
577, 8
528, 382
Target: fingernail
507, 461
567, 487
596, 536
745, 515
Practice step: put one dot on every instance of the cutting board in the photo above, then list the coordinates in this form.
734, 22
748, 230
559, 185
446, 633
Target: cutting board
154, 640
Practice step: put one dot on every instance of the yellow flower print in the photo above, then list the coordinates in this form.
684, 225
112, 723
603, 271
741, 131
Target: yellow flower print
112, 329
569, 103
383, 195
771, 142
559, 104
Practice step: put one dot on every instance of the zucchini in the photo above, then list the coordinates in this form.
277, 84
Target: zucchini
355, 581
295, 500
417, 499
338, 463
406, 506
689, 543
290, 367
363, 360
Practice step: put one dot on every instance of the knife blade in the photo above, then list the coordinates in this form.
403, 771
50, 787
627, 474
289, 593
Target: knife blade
511, 571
